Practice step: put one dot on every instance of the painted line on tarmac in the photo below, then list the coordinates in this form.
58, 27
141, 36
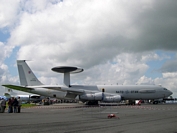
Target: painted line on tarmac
131, 107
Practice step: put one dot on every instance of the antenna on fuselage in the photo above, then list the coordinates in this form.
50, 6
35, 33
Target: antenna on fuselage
67, 70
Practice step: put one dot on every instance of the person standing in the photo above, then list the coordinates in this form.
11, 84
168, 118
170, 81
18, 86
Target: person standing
15, 105
2, 105
19, 104
10, 109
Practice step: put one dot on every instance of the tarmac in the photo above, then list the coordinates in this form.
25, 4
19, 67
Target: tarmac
77, 118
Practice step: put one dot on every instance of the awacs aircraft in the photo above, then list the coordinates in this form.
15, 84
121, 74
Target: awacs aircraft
85, 93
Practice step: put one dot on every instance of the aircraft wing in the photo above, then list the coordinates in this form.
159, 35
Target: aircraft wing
19, 88
60, 88
70, 92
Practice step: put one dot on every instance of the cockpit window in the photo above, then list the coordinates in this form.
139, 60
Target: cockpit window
164, 88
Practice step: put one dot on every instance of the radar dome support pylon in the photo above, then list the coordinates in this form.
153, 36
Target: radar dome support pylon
66, 79
67, 70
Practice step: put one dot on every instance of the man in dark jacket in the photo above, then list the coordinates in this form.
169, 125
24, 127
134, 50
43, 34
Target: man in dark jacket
10, 109
15, 105
19, 104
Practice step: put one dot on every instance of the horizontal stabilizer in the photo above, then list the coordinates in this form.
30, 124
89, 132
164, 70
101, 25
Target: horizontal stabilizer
7, 95
19, 88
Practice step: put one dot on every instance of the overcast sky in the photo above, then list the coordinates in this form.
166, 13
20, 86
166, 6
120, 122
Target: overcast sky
115, 41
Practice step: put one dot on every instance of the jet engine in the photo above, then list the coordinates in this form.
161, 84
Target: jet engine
100, 97
116, 98
96, 96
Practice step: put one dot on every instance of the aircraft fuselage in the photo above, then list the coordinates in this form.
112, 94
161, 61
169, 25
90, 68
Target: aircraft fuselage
127, 92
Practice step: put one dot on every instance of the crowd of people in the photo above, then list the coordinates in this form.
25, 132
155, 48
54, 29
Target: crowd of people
14, 105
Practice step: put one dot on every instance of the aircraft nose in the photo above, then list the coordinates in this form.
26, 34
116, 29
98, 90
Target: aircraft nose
170, 93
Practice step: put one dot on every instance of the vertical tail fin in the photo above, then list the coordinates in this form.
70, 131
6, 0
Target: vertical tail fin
27, 77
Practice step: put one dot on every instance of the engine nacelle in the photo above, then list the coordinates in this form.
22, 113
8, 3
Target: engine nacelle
100, 97
116, 98
95, 97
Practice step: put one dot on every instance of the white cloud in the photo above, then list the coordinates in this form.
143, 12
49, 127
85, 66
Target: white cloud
123, 69
8, 12
3, 68
145, 80
170, 75
150, 56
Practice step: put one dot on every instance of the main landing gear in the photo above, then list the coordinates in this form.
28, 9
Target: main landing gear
92, 103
